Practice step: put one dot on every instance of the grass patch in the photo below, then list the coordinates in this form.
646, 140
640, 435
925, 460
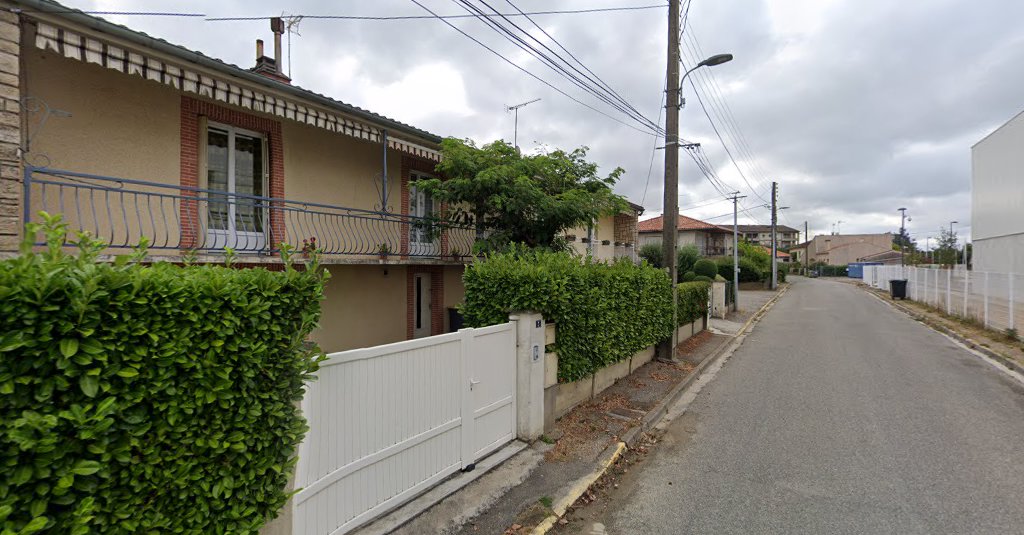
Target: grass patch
545, 501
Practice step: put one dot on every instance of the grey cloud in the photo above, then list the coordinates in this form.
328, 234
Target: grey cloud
838, 107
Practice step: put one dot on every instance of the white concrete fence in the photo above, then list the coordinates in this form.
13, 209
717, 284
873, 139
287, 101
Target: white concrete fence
993, 299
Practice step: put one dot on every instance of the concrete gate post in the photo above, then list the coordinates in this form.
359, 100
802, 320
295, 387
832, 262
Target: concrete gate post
529, 375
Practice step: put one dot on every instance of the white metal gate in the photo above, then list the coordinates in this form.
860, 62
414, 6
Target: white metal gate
388, 422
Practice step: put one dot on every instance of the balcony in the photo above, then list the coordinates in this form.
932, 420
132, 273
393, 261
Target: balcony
178, 221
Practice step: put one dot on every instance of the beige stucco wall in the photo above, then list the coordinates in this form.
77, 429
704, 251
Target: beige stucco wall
362, 307
120, 125
331, 168
841, 249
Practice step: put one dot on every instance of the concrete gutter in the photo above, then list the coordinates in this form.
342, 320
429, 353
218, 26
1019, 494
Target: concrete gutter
653, 418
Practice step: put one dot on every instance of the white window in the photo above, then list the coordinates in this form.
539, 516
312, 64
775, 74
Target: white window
235, 165
422, 235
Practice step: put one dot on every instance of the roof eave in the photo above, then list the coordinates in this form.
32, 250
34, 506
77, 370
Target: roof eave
140, 39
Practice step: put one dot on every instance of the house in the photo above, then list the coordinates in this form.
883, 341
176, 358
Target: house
610, 237
798, 252
782, 256
841, 249
886, 258
997, 199
132, 137
711, 240
762, 235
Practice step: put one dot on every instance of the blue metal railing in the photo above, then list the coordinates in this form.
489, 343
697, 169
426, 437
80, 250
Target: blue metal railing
122, 211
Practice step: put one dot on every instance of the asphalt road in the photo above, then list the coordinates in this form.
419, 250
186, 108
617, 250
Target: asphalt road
838, 414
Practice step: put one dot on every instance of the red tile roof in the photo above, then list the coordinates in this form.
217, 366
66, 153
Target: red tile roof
778, 254
683, 223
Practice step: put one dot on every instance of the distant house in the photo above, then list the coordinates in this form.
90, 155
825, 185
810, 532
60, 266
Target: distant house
798, 252
841, 249
997, 199
782, 256
711, 240
762, 235
889, 258
610, 237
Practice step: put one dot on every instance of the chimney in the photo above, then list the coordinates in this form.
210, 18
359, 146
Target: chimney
271, 67
277, 26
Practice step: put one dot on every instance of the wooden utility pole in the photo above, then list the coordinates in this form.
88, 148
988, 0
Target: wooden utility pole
775, 214
670, 207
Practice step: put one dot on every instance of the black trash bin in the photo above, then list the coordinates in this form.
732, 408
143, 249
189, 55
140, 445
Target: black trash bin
454, 320
898, 288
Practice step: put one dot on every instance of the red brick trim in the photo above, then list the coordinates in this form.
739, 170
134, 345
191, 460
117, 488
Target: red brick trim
191, 110
436, 299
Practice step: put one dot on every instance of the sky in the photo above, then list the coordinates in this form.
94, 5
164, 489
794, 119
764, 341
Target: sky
856, 108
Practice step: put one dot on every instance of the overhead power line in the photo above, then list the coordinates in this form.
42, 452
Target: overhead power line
720, 108
601, 82
458, 16
118, 13
527, 72
554, 61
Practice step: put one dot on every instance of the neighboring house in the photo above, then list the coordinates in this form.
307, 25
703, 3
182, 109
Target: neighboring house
798, 252
711, 240
156, 141
786, 237
841, 249
610, 237
780, 255
997, 199
888, 258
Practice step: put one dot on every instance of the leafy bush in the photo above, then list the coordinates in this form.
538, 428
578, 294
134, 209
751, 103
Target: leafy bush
686, 257
693, 301
830, 271
782, 271
702, 278
749, 272
688, 277
756, 254
651, 252
706, 267
148, 399
604, 312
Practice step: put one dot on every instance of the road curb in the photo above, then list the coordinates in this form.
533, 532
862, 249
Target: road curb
652, 418
558, 508
969, 342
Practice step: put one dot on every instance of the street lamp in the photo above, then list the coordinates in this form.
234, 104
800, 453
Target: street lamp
903, 248
956, 259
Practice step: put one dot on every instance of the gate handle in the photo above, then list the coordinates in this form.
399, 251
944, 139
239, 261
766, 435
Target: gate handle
473, 383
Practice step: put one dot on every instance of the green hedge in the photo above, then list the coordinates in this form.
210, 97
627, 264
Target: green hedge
138, 399
604, 312
749, 271
693, 301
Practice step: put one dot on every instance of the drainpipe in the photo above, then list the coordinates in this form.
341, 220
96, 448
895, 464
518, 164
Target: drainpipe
384, 177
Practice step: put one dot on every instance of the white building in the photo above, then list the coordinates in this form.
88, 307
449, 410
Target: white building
997, 199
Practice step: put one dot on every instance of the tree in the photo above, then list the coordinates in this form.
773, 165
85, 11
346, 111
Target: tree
515, 198
902, 239
946, 251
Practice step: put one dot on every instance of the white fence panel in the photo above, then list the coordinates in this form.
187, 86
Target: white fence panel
388, 422
990, 298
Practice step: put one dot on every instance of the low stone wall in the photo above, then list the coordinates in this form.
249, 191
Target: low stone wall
560, 398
